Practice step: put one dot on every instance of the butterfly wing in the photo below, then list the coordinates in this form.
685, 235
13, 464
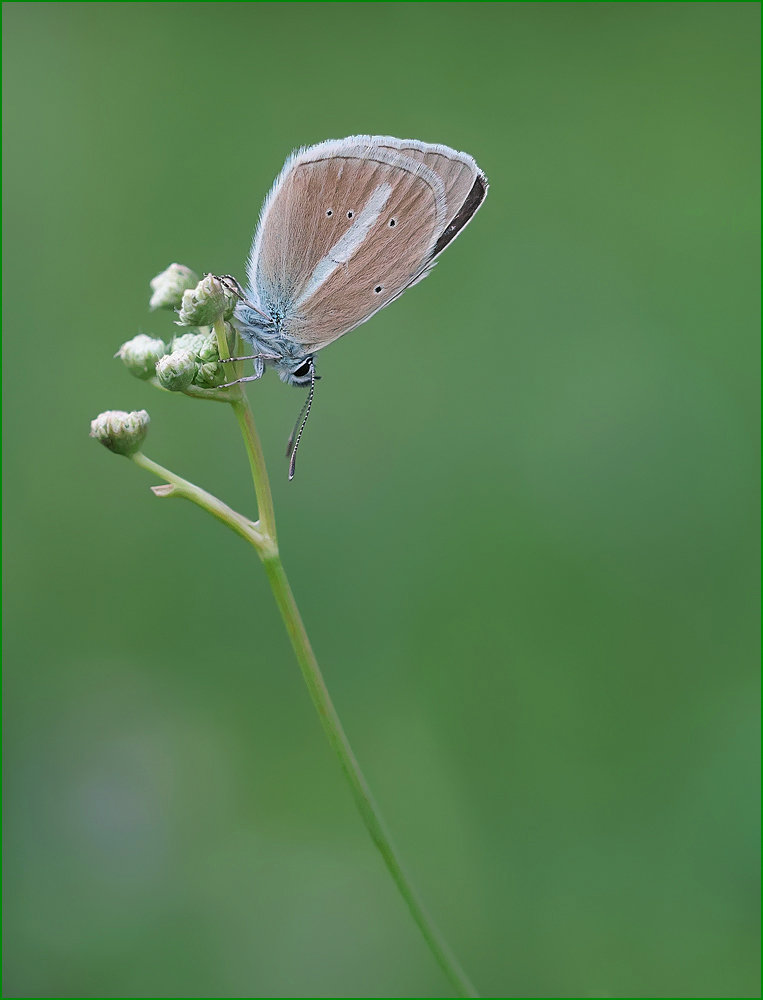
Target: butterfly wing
457, 171
350, 224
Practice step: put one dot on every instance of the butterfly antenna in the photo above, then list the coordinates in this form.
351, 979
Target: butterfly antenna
293, 434
233, 286
296, 435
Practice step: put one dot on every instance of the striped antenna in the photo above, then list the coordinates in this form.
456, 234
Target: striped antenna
296, 435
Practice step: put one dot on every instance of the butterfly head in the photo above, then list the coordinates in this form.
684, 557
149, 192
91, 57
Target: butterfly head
299, 372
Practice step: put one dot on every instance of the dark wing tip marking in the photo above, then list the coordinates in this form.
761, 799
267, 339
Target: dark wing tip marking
473, 201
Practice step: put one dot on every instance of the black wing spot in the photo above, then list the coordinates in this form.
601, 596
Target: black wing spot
329, 212
350, 215
378, 289
392, 222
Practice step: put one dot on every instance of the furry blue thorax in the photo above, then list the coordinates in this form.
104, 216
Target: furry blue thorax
278, 351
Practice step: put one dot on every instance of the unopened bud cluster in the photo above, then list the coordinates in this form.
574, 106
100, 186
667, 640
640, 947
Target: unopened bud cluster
169, 286
205, 304
176, 371
141, 354
191, 359
120, 432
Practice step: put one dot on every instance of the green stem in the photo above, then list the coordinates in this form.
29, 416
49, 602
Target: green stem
265, 510
216, 395
222, 512
223, 349
243, 412
327, 713
262, 537
363, 799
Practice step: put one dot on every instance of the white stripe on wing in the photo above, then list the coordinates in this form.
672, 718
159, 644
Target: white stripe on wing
346, 246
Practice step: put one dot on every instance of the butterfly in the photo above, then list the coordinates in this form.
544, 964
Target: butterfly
347, 227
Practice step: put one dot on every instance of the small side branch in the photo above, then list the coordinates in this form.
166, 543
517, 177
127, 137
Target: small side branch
178, 487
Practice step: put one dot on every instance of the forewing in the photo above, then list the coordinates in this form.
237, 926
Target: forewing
350, 225
465, 186
457, 171
372, 268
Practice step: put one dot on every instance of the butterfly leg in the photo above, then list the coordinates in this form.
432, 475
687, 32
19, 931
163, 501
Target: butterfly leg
251, 357
246, 378
259, 371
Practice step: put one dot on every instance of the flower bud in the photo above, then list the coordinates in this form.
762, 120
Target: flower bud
189, 342
207, 350
209, 375
123, 433
168, 287
141, 354
206, 303
176, 371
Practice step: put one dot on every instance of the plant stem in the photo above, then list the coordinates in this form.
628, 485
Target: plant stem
231, 369
363, 798
265, 510
243, 412
330, 720
262, 536
222, 512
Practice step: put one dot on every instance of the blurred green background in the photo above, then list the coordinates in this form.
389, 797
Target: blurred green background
523, 533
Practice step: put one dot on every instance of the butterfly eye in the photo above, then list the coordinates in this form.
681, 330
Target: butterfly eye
392, 222
350, 215
378, 289
329, 212
302, 371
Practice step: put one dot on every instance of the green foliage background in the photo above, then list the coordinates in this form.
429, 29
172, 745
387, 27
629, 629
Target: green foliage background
523, 532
